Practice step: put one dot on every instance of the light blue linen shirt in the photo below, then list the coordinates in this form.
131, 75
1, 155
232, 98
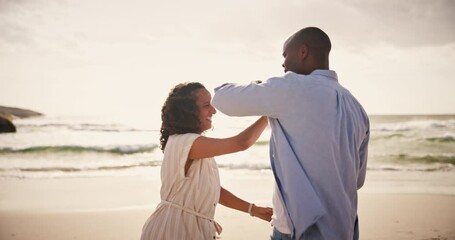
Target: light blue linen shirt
318, 147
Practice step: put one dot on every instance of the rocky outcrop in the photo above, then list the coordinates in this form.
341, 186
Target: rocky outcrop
7, 114
6, 125
18, 112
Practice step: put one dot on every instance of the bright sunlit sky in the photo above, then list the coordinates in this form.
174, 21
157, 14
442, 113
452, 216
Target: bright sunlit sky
107, 57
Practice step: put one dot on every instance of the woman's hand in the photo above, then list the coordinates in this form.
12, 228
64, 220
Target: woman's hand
264, 213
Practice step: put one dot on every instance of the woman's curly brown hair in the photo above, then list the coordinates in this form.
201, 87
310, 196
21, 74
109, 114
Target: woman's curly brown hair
180, 113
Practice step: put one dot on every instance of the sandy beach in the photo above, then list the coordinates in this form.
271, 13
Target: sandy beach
117, 207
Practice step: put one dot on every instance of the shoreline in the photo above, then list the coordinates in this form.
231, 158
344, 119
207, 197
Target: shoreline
117, 207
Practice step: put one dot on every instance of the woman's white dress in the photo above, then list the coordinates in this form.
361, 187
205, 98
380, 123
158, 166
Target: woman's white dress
187, 202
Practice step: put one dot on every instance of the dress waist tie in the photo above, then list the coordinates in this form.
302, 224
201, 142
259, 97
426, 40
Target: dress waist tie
218, 227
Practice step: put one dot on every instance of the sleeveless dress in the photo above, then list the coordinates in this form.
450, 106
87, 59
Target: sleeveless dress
187, 202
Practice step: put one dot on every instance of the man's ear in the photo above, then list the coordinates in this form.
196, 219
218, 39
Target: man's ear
304, 51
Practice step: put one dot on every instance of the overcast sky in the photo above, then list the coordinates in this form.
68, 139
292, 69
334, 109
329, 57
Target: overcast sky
106, 57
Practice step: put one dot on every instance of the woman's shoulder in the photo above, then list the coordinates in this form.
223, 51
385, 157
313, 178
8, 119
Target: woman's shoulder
183, 138
180, 143
184, 135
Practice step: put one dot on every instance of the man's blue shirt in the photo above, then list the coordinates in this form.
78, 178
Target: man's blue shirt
318, 147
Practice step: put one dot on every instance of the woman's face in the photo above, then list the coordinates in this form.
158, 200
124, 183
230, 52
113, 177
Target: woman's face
206, 110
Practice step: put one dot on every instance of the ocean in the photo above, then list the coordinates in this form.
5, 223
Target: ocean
68, 147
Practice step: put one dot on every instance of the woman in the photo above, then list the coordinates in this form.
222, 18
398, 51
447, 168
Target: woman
189, 174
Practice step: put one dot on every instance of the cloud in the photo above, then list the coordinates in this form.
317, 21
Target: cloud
404, 23
261, 29
23, 23
356, 23
12, 32
15, 34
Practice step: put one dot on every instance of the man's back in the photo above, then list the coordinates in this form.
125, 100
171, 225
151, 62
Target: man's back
327, 130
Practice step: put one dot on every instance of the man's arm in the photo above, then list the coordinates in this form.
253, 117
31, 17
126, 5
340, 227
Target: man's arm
363, 153
255, 99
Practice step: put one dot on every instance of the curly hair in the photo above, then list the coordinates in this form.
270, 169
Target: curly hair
180, 113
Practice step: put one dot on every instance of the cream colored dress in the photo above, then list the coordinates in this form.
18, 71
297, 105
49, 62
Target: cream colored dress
187, 202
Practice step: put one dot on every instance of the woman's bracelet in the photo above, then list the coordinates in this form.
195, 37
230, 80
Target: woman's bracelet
250, 209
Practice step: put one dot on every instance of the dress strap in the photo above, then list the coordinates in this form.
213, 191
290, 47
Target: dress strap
218, 227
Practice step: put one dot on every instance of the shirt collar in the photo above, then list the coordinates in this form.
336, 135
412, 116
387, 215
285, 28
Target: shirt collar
325, 73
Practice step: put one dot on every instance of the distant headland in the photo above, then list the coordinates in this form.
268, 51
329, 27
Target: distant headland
8, 114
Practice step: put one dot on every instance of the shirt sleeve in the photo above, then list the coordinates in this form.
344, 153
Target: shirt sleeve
263, 99
363, 153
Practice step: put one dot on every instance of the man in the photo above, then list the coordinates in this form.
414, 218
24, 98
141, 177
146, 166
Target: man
319, 142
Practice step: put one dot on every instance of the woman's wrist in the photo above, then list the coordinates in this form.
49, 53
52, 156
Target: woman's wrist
265, 119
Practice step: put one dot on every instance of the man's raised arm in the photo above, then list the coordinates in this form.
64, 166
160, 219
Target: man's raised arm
254, 99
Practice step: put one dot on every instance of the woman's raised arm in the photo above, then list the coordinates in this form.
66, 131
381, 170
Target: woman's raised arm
204, 147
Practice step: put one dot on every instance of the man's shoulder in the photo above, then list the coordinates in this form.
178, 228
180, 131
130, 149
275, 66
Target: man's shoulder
287, 79
315, 75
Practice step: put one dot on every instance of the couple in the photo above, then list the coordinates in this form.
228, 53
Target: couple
318, 150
